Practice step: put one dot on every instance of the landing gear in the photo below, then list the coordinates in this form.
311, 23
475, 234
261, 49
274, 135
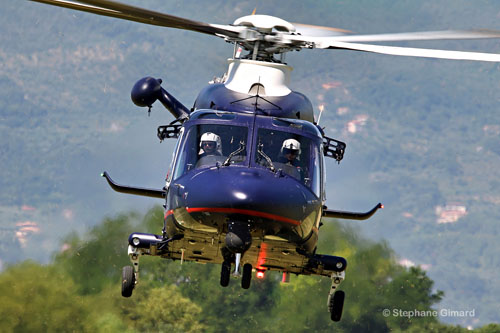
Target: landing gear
336, 305
247, 276
336, 297
238, 240
130, 274
225, 273
128, 281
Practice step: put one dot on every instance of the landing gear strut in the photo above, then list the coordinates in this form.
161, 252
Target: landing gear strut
130, 274
336, 297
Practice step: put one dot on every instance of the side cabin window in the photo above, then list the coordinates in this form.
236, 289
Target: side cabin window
296, 155
206, 145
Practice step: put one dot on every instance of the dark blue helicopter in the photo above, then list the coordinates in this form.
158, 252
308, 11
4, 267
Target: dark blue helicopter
246, 187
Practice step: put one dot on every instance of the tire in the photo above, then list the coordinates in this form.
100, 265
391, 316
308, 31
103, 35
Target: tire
225, 273
337, 305
128, 281
247, 276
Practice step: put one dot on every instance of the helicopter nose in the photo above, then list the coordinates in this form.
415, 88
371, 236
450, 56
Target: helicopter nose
252, 192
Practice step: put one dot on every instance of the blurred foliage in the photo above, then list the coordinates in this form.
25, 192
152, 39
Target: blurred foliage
36, 298
80, 291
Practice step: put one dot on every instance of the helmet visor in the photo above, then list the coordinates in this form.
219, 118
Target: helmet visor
287, 151
208, 144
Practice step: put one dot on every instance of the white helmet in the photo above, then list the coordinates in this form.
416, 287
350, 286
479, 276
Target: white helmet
211, 137
291, 144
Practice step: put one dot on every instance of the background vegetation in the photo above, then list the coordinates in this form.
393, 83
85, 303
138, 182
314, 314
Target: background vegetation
80, 291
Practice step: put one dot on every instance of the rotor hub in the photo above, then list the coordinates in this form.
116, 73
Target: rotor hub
265, 23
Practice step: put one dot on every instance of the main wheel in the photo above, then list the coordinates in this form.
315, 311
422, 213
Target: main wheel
128, 281
225, 273
247, 276
337, 305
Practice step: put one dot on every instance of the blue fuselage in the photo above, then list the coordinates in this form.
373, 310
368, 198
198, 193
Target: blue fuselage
256, 186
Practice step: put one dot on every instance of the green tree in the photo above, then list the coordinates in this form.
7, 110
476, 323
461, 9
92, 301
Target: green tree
36, 298
161, 309
96, 259
411, 291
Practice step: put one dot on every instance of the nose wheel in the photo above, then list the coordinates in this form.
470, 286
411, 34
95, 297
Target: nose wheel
225, 273
247, 276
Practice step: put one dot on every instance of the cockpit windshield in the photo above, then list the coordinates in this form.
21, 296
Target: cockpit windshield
207, 145
293, 154
288, 153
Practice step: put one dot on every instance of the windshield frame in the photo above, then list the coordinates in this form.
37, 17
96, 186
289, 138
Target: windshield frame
211, 117
294, 127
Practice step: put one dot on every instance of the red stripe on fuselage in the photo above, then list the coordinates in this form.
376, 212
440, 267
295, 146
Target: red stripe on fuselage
243, 212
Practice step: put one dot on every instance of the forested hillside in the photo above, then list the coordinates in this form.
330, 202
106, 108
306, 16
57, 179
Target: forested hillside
422, 135
79, 291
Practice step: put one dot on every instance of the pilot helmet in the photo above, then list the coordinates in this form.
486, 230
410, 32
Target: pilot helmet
291, 146
212, 139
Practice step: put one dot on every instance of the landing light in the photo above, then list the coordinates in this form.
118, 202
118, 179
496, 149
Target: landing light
260, 274
136, 241
240, 195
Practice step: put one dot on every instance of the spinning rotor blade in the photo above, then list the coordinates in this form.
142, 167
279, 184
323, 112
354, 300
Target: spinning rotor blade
424, 35
342, 41
258, 30
131, 13
318, 31
413, 52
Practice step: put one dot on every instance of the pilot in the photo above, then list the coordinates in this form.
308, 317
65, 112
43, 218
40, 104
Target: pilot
210, 145
290, 152
290, 155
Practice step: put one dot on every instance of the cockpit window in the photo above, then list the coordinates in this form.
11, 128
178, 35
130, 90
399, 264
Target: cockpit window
208, 144
295, 155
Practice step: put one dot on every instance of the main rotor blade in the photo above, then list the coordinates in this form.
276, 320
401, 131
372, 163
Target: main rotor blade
424, 35
318, 31
136, 14
413, 52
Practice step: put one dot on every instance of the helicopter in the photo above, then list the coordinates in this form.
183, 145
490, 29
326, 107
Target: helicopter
232, 195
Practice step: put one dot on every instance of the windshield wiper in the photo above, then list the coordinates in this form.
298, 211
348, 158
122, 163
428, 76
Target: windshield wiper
267, 158
234, 153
